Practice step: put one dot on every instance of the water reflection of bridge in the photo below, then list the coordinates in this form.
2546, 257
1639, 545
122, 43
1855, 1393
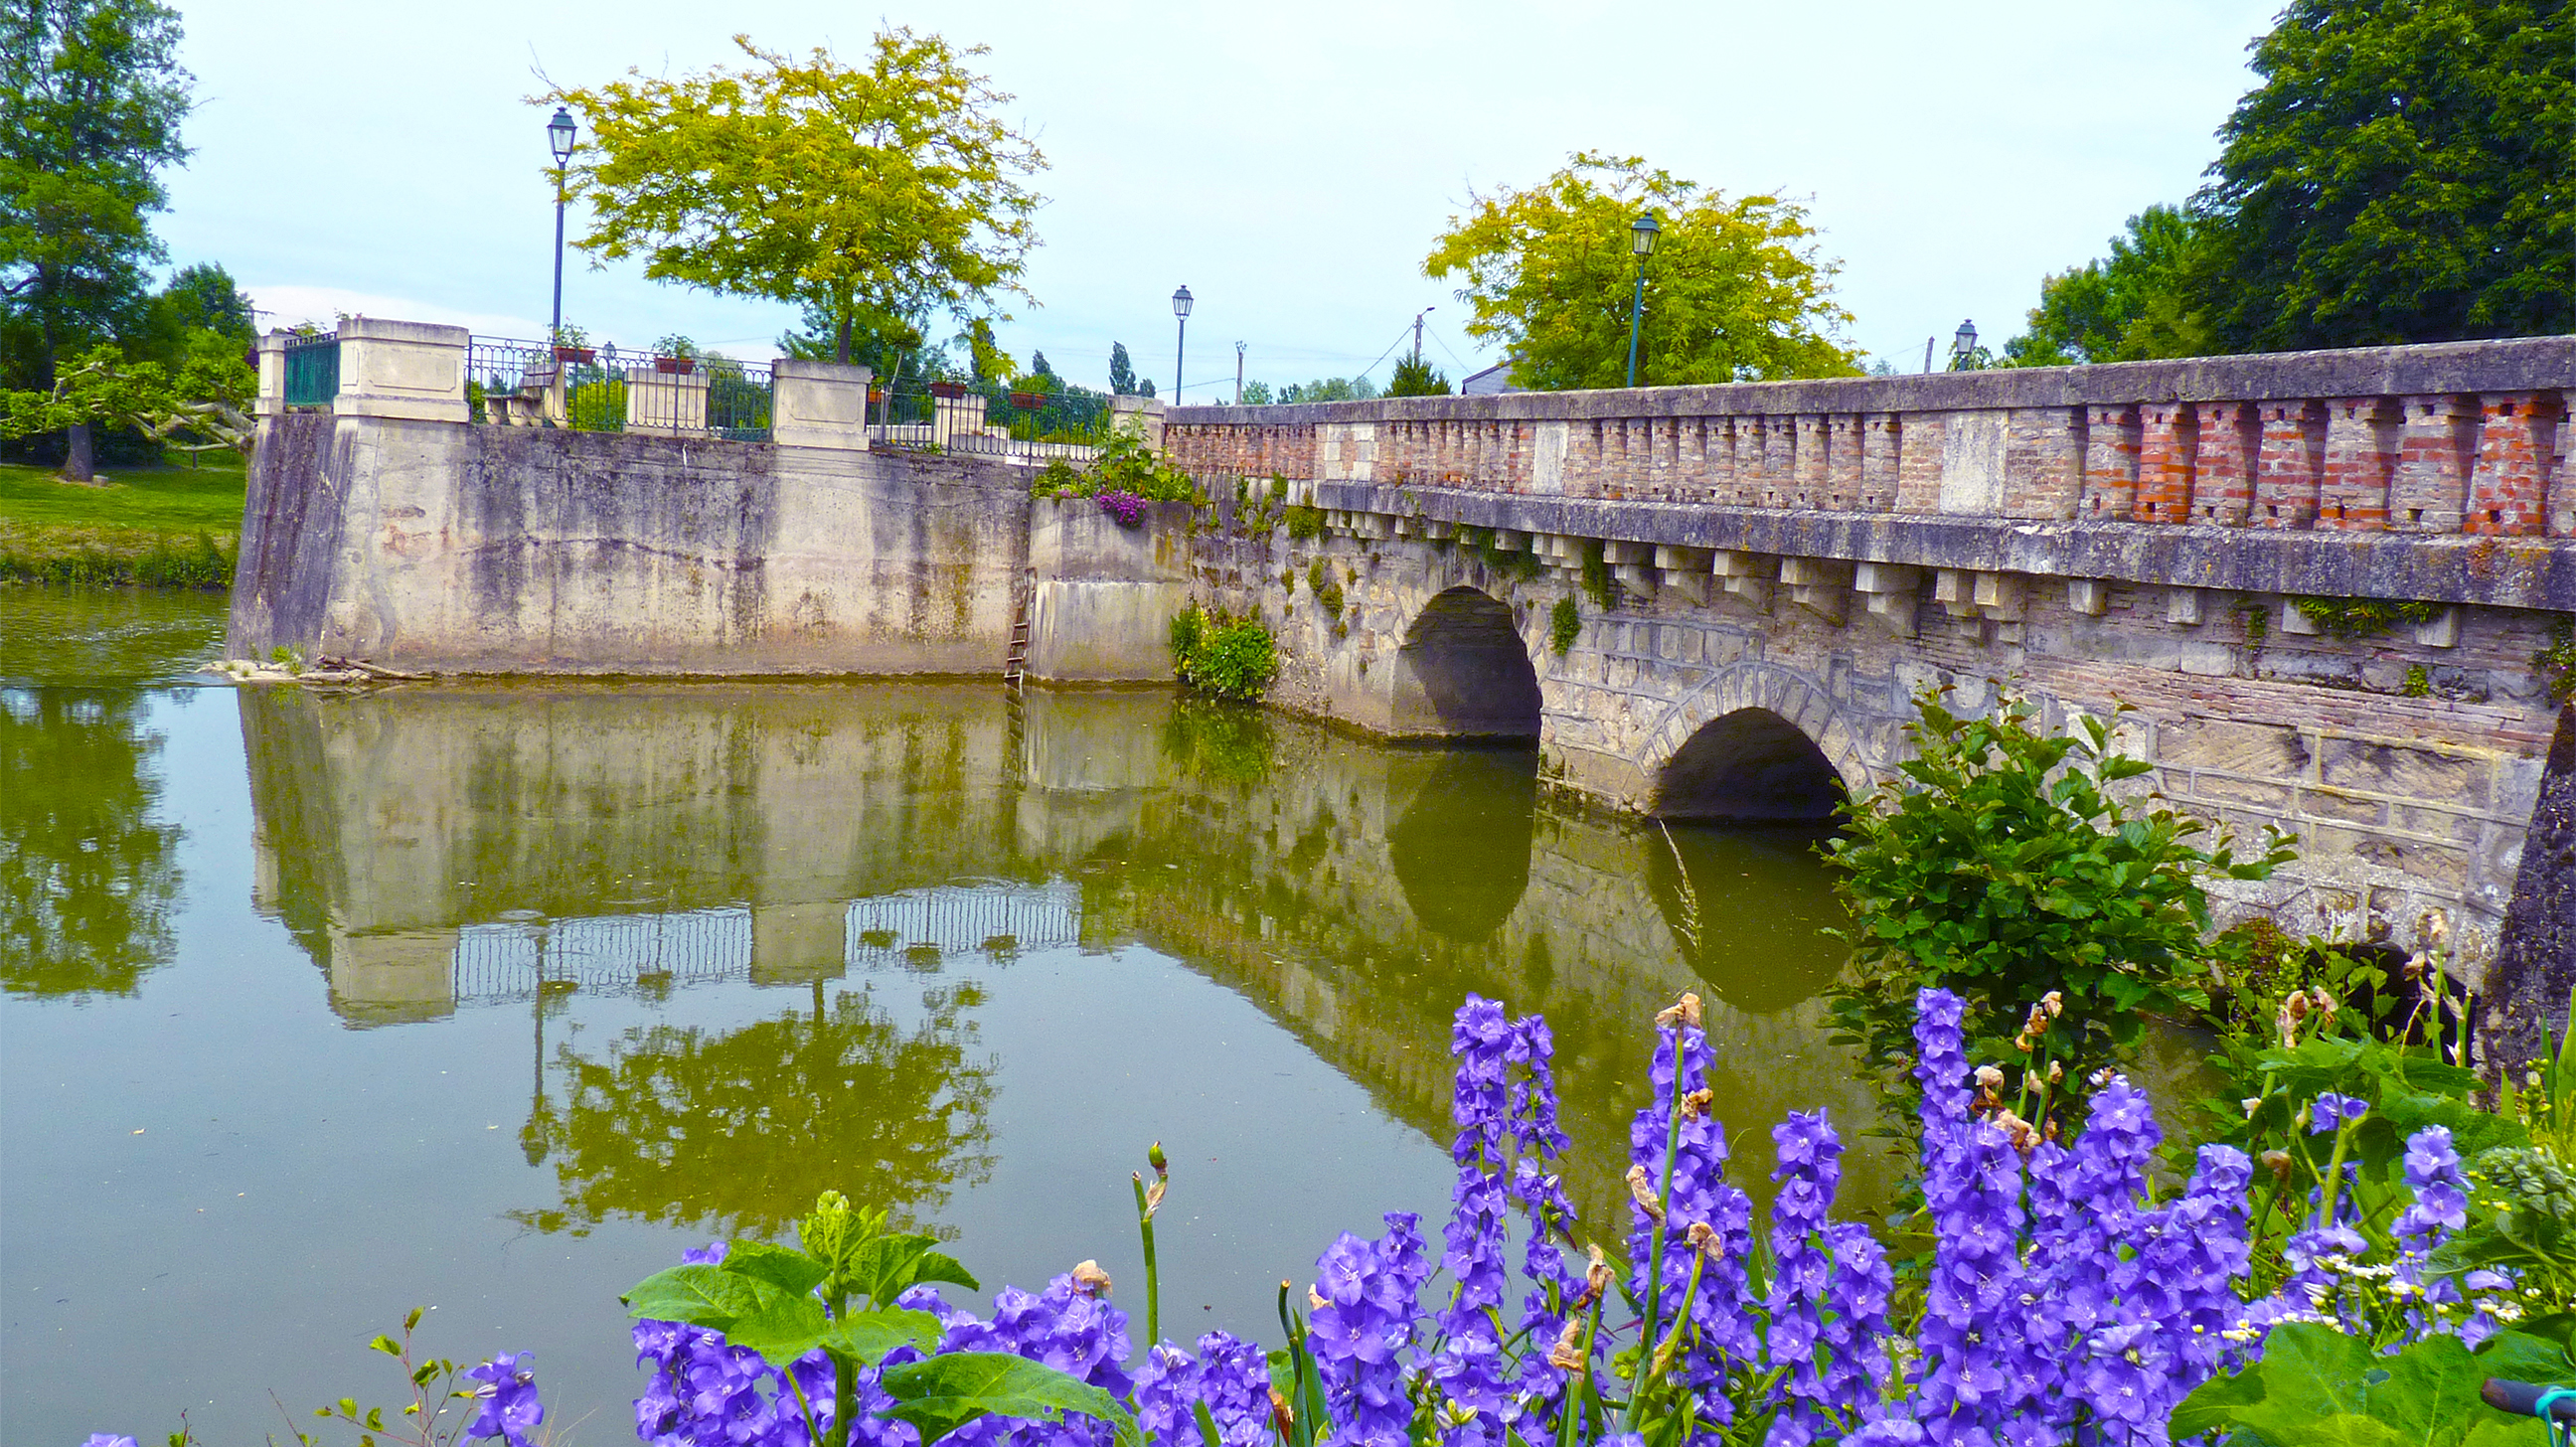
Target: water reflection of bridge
421, 842
652, 954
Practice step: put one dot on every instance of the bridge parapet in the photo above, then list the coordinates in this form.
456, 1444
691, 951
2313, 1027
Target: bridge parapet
2455, 438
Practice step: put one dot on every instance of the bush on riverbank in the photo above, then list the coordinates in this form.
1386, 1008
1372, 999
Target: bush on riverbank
1219, 654
66, 557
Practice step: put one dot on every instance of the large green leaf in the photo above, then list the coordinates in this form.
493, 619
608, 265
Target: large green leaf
945, 1392
707, 1296
2316, 1387
793, 1271
869, 1335
885, 1267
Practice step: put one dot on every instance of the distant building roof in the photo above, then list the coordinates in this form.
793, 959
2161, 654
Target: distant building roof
1496, 378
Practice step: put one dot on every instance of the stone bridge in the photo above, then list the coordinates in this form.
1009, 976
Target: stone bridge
2333, 587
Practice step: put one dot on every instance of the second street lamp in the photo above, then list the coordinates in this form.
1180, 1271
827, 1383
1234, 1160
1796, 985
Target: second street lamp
1641, 240
1963, 346
559, 134
1180, 345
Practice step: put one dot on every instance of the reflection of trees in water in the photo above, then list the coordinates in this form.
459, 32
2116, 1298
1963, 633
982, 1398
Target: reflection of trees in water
736, 1132
1461, 850
88, 878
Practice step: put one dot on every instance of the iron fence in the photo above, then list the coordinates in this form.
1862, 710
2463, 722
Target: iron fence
313, 369
600, 389
1074, 415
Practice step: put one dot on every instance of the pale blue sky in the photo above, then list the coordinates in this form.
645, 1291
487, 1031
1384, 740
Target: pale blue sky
1291, 163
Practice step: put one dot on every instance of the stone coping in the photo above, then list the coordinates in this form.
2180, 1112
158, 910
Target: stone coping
2535, 573
2520, 364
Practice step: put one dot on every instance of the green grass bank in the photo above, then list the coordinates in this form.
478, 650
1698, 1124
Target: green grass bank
159, 527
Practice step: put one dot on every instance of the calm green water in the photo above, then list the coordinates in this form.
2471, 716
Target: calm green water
320, 1005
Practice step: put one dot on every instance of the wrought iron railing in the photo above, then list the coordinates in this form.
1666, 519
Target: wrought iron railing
312, 369
600, 389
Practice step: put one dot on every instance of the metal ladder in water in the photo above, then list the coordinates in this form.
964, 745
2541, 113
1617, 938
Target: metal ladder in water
1015, 668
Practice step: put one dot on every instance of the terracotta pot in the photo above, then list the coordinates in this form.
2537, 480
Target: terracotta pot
681, 365
576, 354
948, 390
1028, 401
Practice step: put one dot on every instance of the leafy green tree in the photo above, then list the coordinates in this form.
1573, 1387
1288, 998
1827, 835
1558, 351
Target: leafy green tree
89, 874
1415, 377
1038, 366
1122, 372
203, 297
881, 191
2139, 303
103, 389
1736, 290
1256, 394
985, 359
93, 95
1330, 389
2405, 172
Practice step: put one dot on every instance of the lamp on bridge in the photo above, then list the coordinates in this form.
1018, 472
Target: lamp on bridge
1642, 235
559, 134
1180, 347
1963, 346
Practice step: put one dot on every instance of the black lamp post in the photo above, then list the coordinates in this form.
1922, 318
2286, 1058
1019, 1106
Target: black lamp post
1641, 240
559, 132
1964, 345
1181, 346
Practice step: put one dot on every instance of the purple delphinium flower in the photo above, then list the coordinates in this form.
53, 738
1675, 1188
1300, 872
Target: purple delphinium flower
2441, 1193
1810, 1167
1854, 1362
2332, 1112
1722, 1328
1229, 1376
1125, 507
103, 1439
1368, 1317
509, 1392
1972, 1189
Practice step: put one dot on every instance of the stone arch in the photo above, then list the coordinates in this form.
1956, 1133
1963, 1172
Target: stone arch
1754, 741
1464, 672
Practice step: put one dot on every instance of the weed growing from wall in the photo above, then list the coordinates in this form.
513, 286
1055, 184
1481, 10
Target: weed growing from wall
1564, 625
1328, 593
1598, 585
1305, 523
1221, 655
2557, 662
2351, 618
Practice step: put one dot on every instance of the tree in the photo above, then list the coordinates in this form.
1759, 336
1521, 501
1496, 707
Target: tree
2140, 303
94, 96
103, 389
985, 358
2404, 172
877, 192
1330, 389
1734, 292
1122, 372
1415, 377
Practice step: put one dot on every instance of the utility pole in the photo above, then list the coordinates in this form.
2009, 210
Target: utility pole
1927, 352
1238, 374
1417, 329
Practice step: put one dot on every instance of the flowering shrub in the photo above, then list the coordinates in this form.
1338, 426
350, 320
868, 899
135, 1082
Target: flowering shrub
2066, 1299
1125, 508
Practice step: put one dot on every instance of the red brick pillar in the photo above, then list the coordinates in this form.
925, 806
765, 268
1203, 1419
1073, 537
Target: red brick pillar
2110, 462
2361, 455
2167, 442
2222, 482
1918, 462
1881, 443
1842, 462
2436, 445
2514, 444
1812, 461
1779, 461
2291, 464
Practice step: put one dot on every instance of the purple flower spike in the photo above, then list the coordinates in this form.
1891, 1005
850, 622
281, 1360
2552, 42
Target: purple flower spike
2333, 1112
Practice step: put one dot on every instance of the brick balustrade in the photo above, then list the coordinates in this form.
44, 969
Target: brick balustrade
2464, 437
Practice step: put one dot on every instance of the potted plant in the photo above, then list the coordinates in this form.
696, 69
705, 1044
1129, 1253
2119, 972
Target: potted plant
1028, 401
948, 391
681, 366
576, 354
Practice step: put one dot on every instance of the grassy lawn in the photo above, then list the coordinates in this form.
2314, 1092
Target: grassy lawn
143, 525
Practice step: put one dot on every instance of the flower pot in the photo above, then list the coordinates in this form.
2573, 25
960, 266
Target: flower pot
679, 365
950, 391
1028, 401
576, 354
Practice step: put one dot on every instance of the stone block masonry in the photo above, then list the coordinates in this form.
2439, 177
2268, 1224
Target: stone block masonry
1814, 553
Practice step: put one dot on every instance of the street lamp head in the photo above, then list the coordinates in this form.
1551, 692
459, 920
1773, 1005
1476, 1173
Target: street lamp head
1181, 302
1643, 233
1966, 341
559, 135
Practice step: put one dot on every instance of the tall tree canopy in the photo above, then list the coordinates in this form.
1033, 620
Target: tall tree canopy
1736, 290
94, 95
2405, 172
2140, 303
890, 189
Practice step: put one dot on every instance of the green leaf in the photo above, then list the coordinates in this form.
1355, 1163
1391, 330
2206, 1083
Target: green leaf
885, 1267
869, 1335
707, 1296
945, 1392
793, 1271
785, 1329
